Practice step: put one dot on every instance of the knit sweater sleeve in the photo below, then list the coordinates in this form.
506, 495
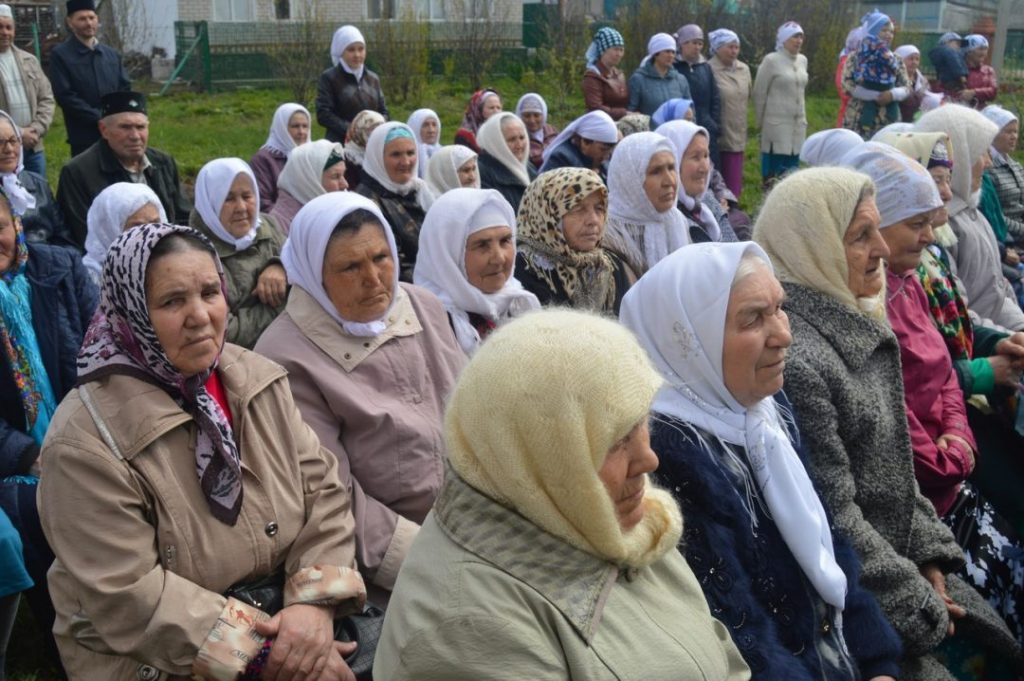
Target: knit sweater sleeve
908, 600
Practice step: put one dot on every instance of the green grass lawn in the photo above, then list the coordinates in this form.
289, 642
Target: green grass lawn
195, 128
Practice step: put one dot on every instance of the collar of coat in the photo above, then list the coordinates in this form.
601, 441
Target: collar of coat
575, 582
349, 351
224, 250
110, 164
145, 412
854, 335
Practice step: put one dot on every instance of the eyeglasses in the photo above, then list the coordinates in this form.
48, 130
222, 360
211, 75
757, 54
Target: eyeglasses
12, 142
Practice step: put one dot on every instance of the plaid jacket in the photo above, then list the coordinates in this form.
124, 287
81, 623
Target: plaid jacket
1008, 178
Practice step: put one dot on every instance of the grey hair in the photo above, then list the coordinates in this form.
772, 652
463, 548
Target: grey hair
749, 264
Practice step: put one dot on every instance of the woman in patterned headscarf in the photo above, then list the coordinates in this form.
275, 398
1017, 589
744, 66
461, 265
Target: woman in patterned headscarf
560, 259
155, 437
355, 144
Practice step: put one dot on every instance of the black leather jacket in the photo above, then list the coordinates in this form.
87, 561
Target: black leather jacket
339, 97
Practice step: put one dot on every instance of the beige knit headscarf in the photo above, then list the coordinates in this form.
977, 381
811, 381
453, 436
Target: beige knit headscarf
801, 227
533, 417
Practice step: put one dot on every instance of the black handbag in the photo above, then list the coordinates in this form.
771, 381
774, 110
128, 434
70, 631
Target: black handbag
364, 628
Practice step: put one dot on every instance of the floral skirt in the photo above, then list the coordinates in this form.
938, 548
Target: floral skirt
994, 555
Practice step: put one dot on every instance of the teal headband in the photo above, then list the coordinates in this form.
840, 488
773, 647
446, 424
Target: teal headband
398, 133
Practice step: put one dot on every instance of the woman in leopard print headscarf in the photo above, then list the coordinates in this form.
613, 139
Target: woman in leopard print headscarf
560, 259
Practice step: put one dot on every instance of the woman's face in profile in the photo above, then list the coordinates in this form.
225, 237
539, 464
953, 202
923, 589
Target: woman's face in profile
865, 250
756, 338
624, 474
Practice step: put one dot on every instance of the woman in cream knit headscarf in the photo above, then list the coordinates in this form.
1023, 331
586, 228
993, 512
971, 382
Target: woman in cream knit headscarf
820, 227
548, 553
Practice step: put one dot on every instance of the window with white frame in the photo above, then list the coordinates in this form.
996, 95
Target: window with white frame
431, 10
234, 10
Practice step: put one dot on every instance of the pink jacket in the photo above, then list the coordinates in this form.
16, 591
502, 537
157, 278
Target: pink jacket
982, 80
935, 404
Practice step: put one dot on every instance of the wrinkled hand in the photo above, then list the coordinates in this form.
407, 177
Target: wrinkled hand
885, 98
1012, 258
1005, 369
1012, 347
29, 138
947, 439
934, 575
304, 644
272, 286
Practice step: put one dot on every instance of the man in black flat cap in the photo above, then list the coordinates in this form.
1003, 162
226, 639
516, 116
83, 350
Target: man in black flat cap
121, 155
82, 71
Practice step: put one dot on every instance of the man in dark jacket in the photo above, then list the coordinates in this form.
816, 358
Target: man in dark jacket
121, 155
82, 71
703, 89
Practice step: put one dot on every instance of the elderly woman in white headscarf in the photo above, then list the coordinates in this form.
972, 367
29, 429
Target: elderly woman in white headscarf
644, 224
348, 87
533, 112
917, 83
248, 243
426, 127
710, 318
289, 129
28, 193
779, 108
370, 362
982, 86
504, 157
549, 555
1006, 173
467, 259
313, 169
587, 142
453, 166
390, 178
976, 259
117, 209
705, 219
827, 147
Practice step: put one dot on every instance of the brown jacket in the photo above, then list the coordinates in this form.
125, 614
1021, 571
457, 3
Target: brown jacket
378, 404
141, 563
38, 91
606, 91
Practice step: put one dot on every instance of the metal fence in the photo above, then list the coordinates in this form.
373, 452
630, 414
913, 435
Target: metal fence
220, 55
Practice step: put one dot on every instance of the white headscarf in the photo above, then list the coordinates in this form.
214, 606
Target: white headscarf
109, 211
678, 312
303, 172
373, 164
441, 261
904, 51
212, 187
785, 32
21, 199
628, 204
681, 134
903, 188
825, 148
1002, 118
343, 37
492, 140
899, 126
660, 42
593, 125
280, 139
970, 135
721, 37
531, 101
304, 251
415, 123
443, 168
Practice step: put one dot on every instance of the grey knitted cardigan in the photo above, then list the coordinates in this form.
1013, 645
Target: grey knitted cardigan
844, 378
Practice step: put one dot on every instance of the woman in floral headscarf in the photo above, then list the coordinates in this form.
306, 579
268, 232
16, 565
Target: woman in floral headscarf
179, 468
355, 144
482, 105
561, 225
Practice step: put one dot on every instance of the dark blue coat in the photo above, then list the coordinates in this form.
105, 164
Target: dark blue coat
80, 76
752, 581
568, 155
707, 103
63, 301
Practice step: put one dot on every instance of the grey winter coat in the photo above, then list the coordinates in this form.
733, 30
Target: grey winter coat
648, 89
844, 378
